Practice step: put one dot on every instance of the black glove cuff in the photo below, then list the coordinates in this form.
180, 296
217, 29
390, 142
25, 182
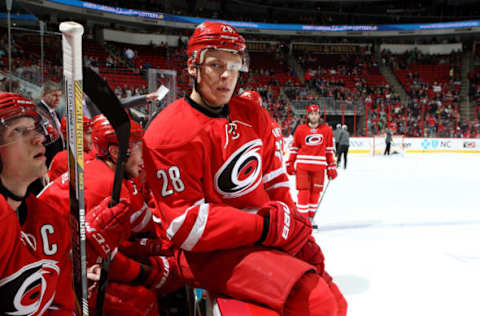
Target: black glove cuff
266, 226
141, 276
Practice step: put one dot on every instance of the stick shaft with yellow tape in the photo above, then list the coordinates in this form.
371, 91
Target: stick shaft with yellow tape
72, 72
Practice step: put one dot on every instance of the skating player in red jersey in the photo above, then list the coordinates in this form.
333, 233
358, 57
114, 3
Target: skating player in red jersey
34, 253
221, 194
59, 164
311, 153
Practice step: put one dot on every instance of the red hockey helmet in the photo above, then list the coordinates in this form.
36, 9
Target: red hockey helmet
253, 96
219, 36
87, 124
13, 106
103, 135
313, 108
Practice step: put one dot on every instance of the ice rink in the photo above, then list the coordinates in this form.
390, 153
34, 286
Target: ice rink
401, 235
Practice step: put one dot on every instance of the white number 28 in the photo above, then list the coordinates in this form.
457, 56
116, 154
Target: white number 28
172, 176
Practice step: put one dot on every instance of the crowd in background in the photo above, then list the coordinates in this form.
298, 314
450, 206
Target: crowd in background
431, 110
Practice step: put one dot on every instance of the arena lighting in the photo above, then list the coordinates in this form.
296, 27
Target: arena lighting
9, 9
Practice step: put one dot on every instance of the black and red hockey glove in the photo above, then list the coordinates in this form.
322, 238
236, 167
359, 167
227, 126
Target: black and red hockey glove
145, 247
284, 228
107, 227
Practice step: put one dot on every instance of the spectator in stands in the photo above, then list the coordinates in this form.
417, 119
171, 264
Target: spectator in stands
51, 98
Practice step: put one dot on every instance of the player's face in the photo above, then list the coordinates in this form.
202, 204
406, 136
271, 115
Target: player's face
87, 140
313, 117
217, 77
135, 161
53, 98
21, 151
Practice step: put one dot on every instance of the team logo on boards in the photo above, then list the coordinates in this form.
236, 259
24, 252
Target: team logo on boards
469, 144
427, 143
27, 290
314, 139
242, 172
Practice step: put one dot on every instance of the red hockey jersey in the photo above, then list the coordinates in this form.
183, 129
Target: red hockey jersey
210, 173
59, 164
98, 186
279, 142
312, 148
33, 260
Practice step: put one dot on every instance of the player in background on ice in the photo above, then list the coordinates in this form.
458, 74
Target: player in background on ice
344, 144
222, 195
336, 133
311, 153
134, 281
35, 249
59, 164
255, 97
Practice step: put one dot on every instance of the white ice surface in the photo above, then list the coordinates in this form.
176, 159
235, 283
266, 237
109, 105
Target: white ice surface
401, 235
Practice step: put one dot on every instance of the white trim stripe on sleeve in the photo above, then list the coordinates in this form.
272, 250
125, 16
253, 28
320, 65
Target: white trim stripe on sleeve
198, 228
147, 215
284, 184
272, 175
178, 221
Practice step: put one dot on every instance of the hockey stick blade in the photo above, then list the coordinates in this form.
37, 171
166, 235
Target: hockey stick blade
106, 101
100, 93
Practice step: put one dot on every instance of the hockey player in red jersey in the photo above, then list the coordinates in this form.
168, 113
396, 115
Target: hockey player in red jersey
256, 98
221, 194
34, 247
133, 281
59, 164
311, 153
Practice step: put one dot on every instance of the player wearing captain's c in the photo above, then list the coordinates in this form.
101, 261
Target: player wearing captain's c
34, 253
108, 227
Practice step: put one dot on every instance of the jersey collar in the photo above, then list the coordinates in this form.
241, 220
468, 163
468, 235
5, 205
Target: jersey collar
223, 114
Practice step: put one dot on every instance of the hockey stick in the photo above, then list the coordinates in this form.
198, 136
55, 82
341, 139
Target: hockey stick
320, 201
100, 93
72, 72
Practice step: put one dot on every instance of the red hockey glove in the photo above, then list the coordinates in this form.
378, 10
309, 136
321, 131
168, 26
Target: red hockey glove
290, 169
332, 171
312, 254
157, 272
107, 227
147, 247
284, 228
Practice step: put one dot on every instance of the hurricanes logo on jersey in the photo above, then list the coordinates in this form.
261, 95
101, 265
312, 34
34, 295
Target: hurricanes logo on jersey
242, 172
314, 139
26, 291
